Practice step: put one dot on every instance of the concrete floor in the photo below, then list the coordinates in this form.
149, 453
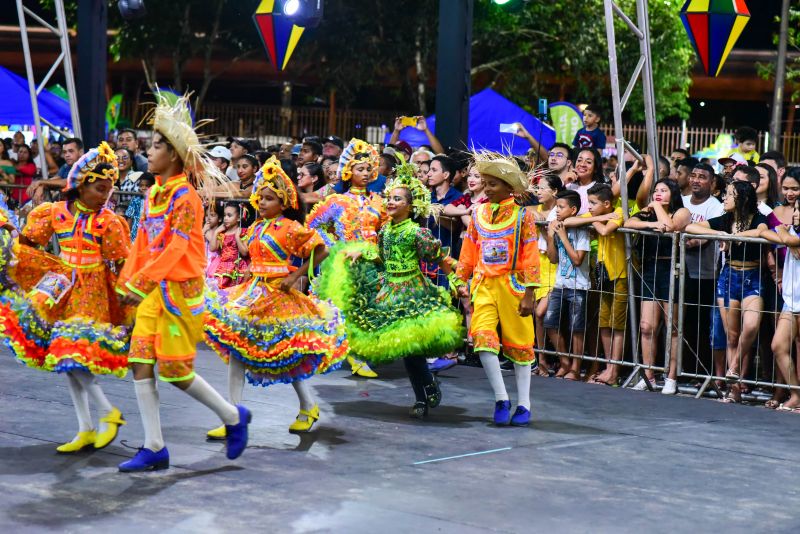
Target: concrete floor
596, 459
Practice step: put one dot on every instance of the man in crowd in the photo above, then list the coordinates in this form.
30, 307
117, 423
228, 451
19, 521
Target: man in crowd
777, 161
239, 147
72, 150
221, 157
683, 168
127, 138
310, 151
559, 161
332, 146
700, 267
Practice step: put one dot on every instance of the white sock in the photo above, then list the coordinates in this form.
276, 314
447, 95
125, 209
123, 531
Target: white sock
149, 405
235, 380
523, 375
201, 391
304, 393
491, 364
80, 400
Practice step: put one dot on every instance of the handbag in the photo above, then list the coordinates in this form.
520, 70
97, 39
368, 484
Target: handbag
604, 281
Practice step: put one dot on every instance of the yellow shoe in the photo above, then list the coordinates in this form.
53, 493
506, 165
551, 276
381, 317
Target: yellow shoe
360, 368
80, 442
299, 426
216, 433
113, 421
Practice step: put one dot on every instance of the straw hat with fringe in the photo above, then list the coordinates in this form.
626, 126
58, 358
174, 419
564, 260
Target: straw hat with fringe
503, 168
172, 117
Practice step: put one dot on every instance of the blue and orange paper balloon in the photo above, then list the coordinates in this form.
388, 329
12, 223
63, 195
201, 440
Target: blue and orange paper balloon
278, 32
714, 26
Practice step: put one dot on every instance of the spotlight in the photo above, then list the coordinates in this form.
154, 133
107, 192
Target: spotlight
132, 9
291, 7
303, 13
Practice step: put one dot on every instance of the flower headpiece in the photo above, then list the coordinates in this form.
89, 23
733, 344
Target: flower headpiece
272, 176
85, 169
172, 117
406, 178
503, 168
348, 158
8, 219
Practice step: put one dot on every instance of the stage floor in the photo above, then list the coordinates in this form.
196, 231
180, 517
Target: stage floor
595, 459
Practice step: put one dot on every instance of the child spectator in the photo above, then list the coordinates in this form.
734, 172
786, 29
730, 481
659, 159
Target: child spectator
134, 209
611, 276
568, 248
546, 190
590, 136
232, 266
665, 213
747, 138
214, 214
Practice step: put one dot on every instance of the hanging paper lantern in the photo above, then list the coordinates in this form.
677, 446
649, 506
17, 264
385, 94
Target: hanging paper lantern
278, 31
714, 26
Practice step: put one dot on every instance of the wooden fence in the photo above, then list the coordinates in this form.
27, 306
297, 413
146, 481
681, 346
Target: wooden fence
273, 124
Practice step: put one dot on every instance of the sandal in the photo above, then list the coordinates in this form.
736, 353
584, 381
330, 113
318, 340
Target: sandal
772, 404
574, 374
782, 408
733, 397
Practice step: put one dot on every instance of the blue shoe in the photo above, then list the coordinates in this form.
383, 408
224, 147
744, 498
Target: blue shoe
236, 435
441, 364
146, 460
522, 416
502, 411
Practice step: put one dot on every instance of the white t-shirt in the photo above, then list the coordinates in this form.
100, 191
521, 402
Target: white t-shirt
551, 216
568, 276
230, 172
791, 281
701, 262
583, 191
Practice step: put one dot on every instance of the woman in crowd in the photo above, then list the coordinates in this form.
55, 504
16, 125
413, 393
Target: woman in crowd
664, 214
309, 179
739, 285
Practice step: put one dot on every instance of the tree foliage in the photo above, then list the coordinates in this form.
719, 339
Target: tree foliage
767, 70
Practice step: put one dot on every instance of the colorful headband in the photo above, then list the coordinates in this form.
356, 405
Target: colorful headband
406, 178
348, 158
85, 169
272, 176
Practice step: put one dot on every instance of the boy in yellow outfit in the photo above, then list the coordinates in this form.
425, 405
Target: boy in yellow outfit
164, 278
500, 253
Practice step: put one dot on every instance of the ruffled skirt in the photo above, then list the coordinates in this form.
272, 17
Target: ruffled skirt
85, 329
280, 336
388, 319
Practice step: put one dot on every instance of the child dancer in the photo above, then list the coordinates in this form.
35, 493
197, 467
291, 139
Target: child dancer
354, 215
164, 278
264, 329
501, 254
70, 321
227, 242
393, 310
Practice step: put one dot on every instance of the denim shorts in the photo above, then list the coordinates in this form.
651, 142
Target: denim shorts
566, 306
719, 340
738, 285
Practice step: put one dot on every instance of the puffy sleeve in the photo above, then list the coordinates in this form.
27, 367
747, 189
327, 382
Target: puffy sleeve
528, 255
469, 251
39, 226
428, 247
300, 241
326, 217
116, 239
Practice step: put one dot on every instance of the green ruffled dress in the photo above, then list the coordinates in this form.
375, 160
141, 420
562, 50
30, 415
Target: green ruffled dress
391, 309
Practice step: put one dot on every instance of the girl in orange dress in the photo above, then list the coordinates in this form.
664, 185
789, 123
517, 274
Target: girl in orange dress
265, 330
70, 320
355, 215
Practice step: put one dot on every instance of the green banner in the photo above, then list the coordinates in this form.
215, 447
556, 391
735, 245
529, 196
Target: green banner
567, 119
112, 111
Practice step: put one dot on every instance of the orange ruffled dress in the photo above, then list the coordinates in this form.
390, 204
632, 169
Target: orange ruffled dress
352, 216
280, 336
69, 318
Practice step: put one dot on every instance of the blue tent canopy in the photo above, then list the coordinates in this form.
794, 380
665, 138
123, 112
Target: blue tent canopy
487, 111
15, 105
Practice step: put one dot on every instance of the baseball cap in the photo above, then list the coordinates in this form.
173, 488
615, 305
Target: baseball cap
296, 149
727, 161
404, 147
334, 140
220, 152
241, 141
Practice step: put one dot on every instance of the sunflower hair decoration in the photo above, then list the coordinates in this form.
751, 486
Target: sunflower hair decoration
272, 176
86, 168
349, 159
406, 178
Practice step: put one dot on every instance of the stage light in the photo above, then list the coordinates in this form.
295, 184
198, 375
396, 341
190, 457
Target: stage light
291, 7
501, 2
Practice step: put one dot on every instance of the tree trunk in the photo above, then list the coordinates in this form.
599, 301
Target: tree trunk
422, 77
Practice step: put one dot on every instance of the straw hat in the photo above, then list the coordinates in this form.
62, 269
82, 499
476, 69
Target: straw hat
503, 168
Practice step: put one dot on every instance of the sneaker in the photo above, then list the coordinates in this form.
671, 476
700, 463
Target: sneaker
522, 416
146, 460
641, 385
670, 387
502, 412
441, 364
